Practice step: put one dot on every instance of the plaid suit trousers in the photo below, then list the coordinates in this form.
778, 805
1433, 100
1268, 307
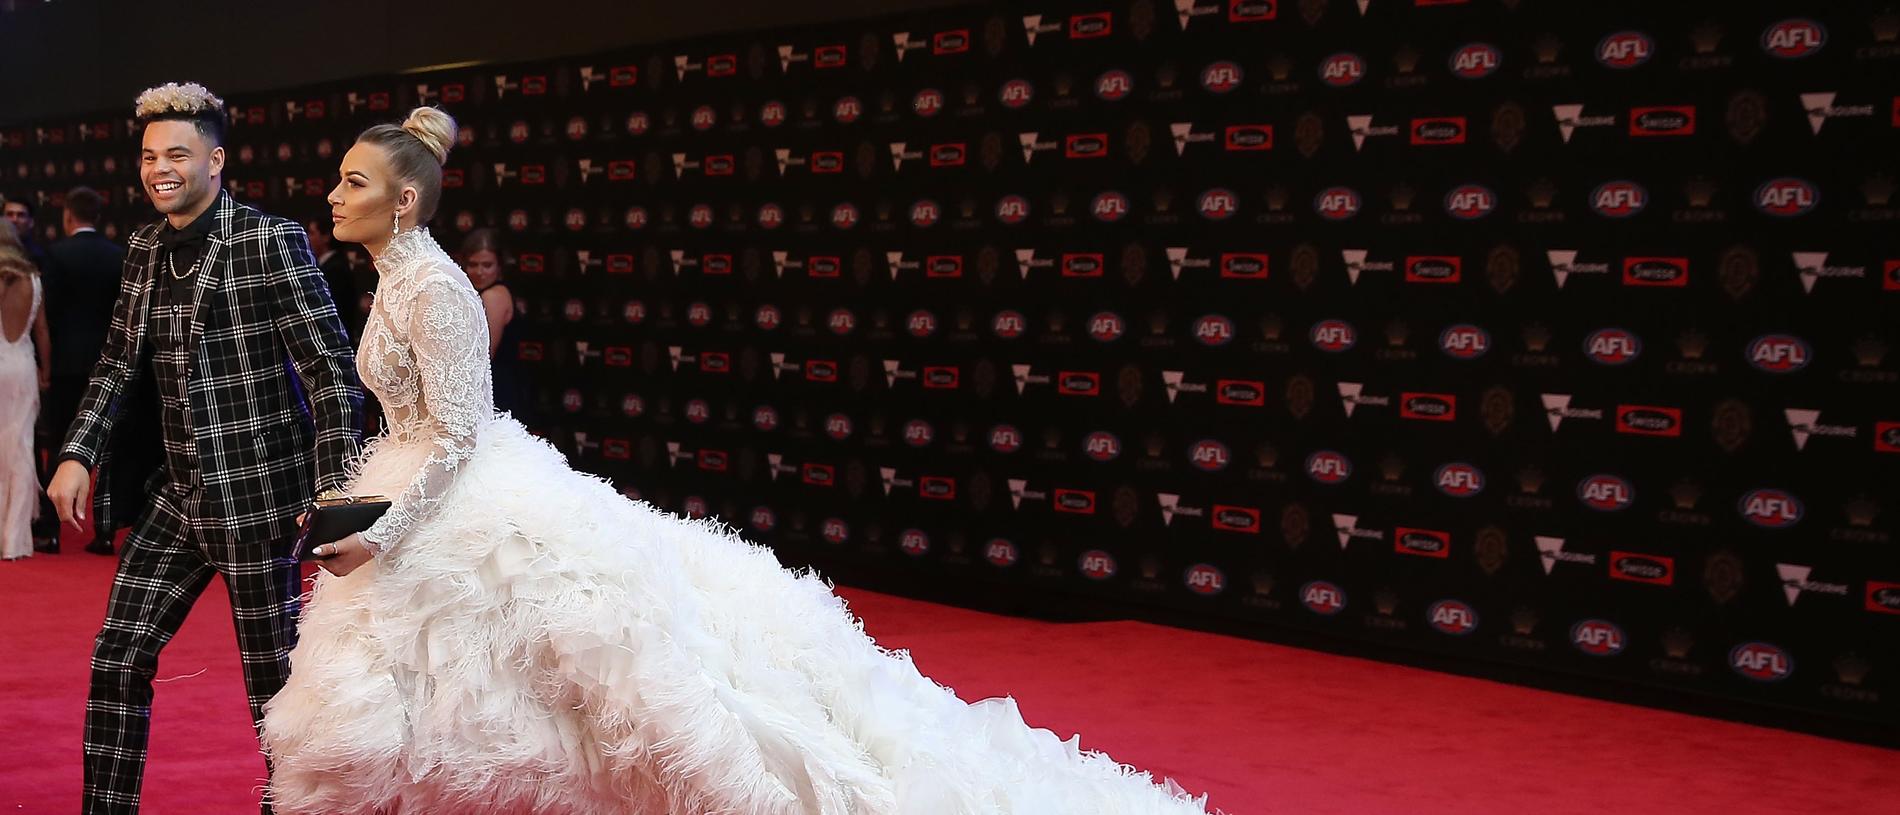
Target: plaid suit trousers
167, 563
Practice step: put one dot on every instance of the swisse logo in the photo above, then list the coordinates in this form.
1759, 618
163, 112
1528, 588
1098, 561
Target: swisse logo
1250, 11
1102, 446
1243, 265
1779, 353
1459, 480
1081, 264
1433, 269
1422, 542
1439, 130
1218, 204
942, 377
1006, 439
1329, 467
1248, 138
1205, 580
1240, 392
1454, 617
1107, 326
1655, 271
1468, 202
1213, 330
1078, 383
1476, 61
1598, 638
1612, 347
1625, 50
1096, 564
1209, 456
1109, 207
1882, 597
1771, 508
1085, 145
937, 488
1637, 568
943, 266
1793, 39
1075, 502
1619, 199
1429, 407
1646, 420
1337, 203
1001, 553
1342, 70
1606, 493
1245, 520
1675, 120
1334, 336
1221, 77
1787, 197
1323, 598
827, 162
1464, 341
1761, 661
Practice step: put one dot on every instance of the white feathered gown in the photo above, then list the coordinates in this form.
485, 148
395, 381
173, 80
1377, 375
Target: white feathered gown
531, 641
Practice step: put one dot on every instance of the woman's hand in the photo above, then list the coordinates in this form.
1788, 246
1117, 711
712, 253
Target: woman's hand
342, 557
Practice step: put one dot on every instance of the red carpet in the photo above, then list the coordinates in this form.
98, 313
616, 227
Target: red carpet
1263, 728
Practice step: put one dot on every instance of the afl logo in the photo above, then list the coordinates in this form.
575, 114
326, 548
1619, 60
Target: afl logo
1761, 661
1469, 202
1625, 49
1109, 207
1323, 598
763, 519
1459, 480
636, 218
835, 530
842, 321
1221, 77
1214, 330
1001, 553
927, 103
771, 216
574, 310
1334, 336
701, 216
1598, 638
1208, 456
1619, 199
1219, 204
1096, 564
1612, 346
772, 114
925, 213
1771, 508
1012, 209
1454, 617
1111, 86
1328, 467
921, 324
1017, 94
698, 315
632, 406
635, 312
765, 418
638, 123
847, 110
704, 117
1009, 325
1787, 197
1606, 493
1107, 326
1205, 580
1464, 341
1337, 203
1342, 70
844, 216
1779, 353
1006, 439
1793, 39
698, 411
572, 401
1476, 61
767, 318
914, 542
919, 433
1102, 446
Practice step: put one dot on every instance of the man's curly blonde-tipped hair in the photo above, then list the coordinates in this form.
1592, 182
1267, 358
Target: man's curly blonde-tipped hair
177, 99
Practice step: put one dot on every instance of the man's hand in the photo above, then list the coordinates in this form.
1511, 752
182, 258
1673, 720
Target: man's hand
71, 492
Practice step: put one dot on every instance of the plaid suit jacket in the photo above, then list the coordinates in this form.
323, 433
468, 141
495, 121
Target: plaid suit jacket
259, 298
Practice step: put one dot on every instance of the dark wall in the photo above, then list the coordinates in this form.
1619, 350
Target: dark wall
84, 57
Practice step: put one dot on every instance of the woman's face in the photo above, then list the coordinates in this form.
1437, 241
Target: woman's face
482, 267
365, 202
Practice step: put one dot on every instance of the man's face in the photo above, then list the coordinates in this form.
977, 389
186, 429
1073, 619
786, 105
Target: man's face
179, 167
20, 217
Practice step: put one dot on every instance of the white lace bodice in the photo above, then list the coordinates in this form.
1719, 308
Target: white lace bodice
425, 356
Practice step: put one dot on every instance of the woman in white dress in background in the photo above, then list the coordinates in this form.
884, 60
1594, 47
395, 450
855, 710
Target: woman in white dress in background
515, 636
25, 363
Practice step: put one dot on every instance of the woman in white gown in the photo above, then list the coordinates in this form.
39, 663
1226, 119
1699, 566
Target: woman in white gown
23, 370
514, 636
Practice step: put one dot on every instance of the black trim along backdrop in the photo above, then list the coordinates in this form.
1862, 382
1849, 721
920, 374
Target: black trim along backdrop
1547, 334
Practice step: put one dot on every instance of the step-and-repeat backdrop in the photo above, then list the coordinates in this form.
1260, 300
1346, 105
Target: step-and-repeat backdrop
1557, 334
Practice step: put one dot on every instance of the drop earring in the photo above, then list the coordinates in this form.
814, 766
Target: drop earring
395, 223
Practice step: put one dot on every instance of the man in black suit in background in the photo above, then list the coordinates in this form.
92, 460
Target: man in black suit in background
335, 265
81, 280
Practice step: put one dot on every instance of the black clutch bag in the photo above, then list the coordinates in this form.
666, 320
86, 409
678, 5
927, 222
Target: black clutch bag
333, 519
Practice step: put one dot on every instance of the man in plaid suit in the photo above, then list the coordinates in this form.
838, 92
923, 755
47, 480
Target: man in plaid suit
214, 299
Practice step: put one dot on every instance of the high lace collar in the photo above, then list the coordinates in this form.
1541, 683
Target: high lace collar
406, 249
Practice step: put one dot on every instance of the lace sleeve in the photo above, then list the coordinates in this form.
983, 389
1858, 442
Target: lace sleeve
448, 334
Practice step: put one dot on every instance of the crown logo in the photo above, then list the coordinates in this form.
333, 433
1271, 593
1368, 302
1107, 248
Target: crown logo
1276, 198
1877, 189
1281, 67
1685, 493
1692, 343
1677, 641
1401, 197
1530, 480
1397, 332
1392, 467
1150, 568
1700, 192
1267, 455
1706, 37
1405, 59
1272, 327
1886, 27
1852, 669
1262, 583
1547, 45
1164, 199
1059, 203
1870, 351
1542, 192
1524, 621
1387, 601
1536, 337
1862, 511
